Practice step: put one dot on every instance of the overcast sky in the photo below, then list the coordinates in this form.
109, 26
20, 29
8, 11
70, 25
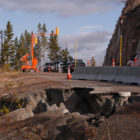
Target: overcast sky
89, 22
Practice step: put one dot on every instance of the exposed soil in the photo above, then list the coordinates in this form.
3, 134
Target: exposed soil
123, 125
53, 124
15, 83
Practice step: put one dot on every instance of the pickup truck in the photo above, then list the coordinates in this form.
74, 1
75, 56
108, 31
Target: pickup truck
79, 62
63, 68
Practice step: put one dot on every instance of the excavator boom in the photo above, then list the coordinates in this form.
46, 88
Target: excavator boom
26, 62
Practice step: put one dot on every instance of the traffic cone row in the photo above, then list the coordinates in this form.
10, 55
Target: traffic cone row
69, 74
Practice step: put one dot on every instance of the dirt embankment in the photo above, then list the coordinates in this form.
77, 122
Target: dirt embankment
17, 82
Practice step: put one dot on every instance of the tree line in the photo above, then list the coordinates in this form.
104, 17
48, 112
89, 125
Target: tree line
13, 48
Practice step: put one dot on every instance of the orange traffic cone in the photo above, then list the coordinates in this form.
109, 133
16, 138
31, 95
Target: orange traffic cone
135, 61
37, 70
49, 68
69, 74
113, 62
88, 62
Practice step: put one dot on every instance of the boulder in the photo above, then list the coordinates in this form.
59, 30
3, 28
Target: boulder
17, 115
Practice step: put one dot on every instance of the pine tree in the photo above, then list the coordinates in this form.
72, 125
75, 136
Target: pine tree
65, 56
37, 48
22, 49
66, 59
17, 55
2, 49
54, 50
8, 43
43, 42
43, 37
39, 28
41, 46
12, 56
27, 38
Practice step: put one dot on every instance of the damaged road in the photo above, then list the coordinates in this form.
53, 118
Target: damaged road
50, 113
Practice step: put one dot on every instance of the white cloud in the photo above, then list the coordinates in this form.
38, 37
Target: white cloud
91, 27
90, 44
63, 8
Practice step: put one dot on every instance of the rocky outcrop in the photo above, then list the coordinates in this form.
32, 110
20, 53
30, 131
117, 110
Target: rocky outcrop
128, 26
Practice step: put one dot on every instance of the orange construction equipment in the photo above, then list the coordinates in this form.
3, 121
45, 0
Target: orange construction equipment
27, 64
69, 74
113, 62
33, 66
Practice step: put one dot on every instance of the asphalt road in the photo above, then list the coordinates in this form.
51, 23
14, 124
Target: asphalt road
99, 87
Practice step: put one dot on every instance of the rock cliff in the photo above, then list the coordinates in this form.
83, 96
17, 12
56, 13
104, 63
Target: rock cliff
128, 26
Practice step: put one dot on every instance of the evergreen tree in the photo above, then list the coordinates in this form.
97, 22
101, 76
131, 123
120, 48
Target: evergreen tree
22, 49
54, 50
43, 37
12, 56
1, 49
43, 42
8, 43
27, 38
41, 46
66, 59
17, 55
65, 56
37, 48
11, 51
39, 28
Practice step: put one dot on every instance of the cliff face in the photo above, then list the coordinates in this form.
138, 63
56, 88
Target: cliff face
128, 26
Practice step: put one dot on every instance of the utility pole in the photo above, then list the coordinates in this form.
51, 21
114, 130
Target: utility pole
120, 50
75, 54
121, 39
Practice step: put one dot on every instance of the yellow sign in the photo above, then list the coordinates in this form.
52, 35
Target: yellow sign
35, 40
57, 31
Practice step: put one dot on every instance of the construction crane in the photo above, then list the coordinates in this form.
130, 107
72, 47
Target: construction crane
33, 66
